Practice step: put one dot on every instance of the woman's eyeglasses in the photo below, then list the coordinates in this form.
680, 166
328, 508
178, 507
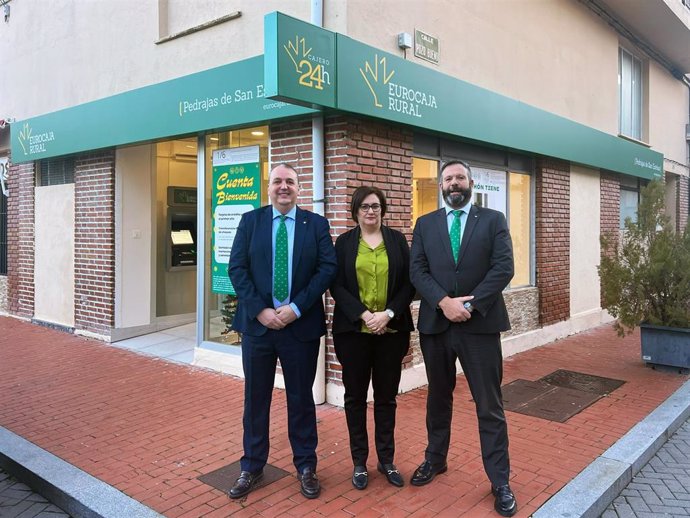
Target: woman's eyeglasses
364, 207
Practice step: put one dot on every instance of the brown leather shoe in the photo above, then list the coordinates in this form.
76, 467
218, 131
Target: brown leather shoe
309, 483
245, 483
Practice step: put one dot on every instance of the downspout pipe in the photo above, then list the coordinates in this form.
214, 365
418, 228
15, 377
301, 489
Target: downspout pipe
318, 146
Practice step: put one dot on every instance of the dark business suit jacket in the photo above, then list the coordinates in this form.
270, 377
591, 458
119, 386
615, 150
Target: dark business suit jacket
345, 289
251, 271
484, 269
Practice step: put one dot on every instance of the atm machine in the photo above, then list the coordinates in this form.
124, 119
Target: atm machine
181, 228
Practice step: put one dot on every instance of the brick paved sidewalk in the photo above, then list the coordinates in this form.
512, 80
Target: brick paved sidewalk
150, 428
662, 487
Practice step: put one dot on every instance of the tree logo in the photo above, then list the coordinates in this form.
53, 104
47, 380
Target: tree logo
377, 77
24, 136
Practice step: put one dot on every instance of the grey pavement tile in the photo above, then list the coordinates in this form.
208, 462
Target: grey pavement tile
660, 509
32, 511
672, 502
623, 510
609, 513
650, 497
637, 504
15, 510
630, 492
663, 492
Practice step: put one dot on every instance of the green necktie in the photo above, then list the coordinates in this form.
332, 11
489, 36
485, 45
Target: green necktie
455, 234
280, 268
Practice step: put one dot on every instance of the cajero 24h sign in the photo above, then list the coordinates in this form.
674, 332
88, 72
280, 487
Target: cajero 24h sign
299, 61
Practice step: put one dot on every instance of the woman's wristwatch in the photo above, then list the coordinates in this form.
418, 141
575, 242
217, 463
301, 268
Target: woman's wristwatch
390, 313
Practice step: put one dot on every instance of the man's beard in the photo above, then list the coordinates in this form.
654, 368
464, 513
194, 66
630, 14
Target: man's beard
457, 197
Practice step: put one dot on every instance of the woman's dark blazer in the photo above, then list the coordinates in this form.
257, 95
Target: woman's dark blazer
345, 289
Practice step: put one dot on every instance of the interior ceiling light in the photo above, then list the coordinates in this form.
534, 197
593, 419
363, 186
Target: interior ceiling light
258, 133
214, 139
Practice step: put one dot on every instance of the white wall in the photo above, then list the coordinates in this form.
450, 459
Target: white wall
54, 254
584, 240
134, 238
554, 54
667, 119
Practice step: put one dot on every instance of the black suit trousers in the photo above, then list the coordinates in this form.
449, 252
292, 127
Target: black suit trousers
481, 359
378, 358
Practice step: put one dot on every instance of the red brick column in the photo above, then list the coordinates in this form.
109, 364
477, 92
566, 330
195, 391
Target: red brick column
553, 239
291, 144
682, 192
20, 239
610, 204
94, 242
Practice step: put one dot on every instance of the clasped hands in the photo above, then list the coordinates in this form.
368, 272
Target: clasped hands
276, 318
453, 308
376, 322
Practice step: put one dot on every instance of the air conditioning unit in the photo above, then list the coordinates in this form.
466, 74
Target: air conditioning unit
184, 151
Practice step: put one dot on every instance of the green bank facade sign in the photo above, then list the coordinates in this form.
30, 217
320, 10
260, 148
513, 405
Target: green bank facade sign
370, 82
306, 69
232, 94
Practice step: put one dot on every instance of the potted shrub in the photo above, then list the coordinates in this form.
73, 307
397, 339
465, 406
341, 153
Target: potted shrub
645, 281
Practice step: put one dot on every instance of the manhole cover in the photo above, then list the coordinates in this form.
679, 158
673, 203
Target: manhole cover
584, 382
223, 478
520, 392
559, 404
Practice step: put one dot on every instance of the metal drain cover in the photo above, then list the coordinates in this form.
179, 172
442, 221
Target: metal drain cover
557, 396
584, 382
223, 478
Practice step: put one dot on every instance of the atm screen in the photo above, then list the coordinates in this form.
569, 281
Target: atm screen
181, 237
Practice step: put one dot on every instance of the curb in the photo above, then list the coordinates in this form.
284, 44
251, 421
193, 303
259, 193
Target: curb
73, 490
590, 493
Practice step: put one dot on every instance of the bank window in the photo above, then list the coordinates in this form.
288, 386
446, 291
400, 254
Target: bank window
508, 192
630, 94
241, 155
425, 197
56, 171
630, 198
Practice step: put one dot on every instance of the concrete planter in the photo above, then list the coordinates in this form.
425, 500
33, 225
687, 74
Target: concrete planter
666, 345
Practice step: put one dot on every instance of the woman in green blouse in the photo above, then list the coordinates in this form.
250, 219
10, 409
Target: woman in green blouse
371, 327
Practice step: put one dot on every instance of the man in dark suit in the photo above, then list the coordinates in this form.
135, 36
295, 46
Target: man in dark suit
461, 260
281, 263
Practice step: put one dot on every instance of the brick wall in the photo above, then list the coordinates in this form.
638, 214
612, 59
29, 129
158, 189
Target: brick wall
610, 204
291, 144
682, 192
20, 239
553, 240
94, 243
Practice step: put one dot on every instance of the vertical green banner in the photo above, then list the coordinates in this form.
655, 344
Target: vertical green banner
236, 190
299, 61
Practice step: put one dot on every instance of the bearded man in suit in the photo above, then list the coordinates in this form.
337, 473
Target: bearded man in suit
460, 262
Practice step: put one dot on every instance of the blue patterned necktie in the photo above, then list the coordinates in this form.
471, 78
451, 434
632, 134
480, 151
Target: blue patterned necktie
280, 268
455, 234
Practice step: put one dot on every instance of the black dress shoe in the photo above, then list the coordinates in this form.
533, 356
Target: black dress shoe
360, 477
426, 472
505, 503
392, 474
309, 483
245, 483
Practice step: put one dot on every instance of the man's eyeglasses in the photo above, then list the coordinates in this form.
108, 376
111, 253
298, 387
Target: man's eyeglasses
364, 207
